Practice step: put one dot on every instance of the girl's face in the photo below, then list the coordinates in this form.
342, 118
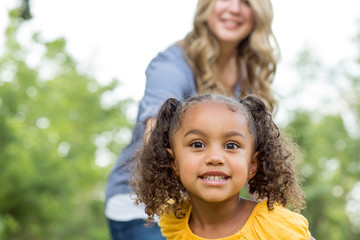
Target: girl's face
213, 152
231, 21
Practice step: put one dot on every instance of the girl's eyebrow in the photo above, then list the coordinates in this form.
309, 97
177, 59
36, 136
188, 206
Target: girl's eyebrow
227, 134
234, 133
194, 131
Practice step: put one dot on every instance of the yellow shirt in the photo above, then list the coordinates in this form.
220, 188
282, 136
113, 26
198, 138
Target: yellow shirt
263, 224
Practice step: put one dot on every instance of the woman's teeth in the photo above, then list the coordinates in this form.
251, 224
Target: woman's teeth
231, 22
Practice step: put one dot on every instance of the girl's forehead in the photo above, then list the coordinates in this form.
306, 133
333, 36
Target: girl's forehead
213, 110
215, 119
214, 105
211, 116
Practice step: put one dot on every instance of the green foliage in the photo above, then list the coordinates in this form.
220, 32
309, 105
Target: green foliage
51, 119
329, 139
329, 154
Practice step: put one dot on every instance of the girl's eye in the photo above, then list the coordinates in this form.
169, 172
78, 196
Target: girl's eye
231, 146
197, 145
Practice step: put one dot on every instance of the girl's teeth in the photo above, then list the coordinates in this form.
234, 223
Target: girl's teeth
214, 178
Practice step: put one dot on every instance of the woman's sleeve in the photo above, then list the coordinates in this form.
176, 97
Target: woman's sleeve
166, 77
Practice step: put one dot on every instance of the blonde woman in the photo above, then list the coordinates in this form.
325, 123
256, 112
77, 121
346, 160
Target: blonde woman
232, 51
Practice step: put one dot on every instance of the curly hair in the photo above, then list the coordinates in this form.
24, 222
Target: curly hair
157, 186
258, 54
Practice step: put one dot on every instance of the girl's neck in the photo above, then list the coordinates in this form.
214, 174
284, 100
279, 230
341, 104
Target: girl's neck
218, 220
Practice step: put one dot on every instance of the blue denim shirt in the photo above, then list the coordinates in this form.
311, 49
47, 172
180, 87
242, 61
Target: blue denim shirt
168, 75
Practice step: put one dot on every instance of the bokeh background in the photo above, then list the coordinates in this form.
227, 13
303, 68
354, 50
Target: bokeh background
72, 73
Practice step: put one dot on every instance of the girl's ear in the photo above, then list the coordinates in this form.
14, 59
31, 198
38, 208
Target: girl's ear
173, 162
253, 166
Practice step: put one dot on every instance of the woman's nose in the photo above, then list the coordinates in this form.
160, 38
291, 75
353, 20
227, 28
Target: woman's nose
235, 6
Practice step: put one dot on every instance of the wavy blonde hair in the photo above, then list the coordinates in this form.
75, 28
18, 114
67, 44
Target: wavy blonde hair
258, 53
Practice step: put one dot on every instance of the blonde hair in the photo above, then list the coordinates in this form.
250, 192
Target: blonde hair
258, 53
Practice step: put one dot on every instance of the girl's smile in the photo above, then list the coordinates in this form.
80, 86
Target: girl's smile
214, 178
213, 151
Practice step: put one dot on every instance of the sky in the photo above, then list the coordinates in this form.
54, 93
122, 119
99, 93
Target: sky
118, 38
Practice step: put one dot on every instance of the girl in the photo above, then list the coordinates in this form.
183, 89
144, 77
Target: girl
229, 51
199, 156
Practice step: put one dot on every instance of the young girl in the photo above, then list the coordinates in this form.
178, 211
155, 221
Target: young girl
198, 157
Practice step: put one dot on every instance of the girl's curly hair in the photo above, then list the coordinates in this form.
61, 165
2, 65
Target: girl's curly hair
276, 180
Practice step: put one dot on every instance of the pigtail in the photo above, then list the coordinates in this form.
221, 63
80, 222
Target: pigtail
153, 178
262, 117
276, 179
160, 133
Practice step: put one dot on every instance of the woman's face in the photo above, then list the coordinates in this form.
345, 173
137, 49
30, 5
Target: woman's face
231, 21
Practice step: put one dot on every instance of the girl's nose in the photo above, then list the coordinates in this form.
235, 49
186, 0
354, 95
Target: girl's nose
215, 157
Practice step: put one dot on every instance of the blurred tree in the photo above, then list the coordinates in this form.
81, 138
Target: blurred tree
53, 126
329, 139
25, 10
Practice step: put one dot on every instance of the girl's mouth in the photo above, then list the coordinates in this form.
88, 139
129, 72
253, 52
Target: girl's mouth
214, 178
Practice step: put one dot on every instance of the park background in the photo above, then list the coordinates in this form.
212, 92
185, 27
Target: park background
71, 77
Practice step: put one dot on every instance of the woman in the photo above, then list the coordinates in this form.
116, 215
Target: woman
232, 51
